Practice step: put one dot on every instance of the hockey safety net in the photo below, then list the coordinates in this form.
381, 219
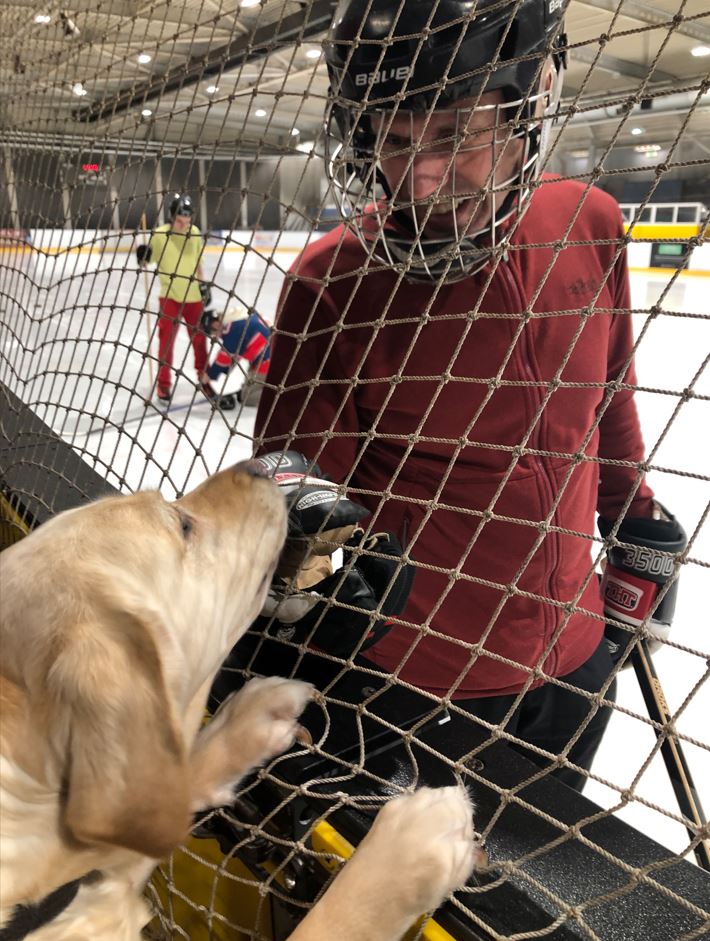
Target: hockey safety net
107, 110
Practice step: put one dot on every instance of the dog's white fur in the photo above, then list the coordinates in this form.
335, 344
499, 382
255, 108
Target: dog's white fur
115, 619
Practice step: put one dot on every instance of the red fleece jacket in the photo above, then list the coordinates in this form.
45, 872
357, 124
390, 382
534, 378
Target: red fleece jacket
476, 421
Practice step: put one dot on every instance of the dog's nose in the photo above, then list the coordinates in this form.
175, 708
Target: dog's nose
252, 468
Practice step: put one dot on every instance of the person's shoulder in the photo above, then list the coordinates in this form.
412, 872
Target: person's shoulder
335, 252
556, 189
158, 239
194, 230
161, 231
559, 198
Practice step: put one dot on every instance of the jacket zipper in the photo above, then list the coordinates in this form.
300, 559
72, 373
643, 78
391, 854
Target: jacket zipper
536, 440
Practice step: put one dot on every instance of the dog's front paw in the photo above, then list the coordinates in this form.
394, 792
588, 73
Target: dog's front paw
262, 718
427, 838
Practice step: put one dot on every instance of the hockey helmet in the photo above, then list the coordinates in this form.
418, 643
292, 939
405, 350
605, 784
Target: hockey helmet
180, 205
413, 57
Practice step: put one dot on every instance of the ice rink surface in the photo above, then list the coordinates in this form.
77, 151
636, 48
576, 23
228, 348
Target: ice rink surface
89, 377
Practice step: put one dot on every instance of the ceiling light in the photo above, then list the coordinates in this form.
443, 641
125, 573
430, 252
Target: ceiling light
212, 89
260, 113
294, 131
636, 131
249, 3
313, 54
144, 58
79, 89
647, 148
699, 51
46, 18
146, 113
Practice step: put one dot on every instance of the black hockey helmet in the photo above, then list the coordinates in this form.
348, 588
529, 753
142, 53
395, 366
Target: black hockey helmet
180, 205
420, 54
414, 56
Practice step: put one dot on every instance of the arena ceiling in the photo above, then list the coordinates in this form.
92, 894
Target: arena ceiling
219, 76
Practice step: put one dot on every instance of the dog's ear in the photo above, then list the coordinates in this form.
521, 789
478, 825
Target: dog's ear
126, 778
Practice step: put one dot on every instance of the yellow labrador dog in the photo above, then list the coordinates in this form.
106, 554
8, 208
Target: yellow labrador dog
115, 618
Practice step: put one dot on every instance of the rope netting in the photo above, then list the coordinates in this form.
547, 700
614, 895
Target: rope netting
447, 383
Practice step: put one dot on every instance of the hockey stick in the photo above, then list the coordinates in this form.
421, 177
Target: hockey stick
676, 765
146, 286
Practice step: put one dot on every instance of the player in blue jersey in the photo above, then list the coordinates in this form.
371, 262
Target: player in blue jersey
242, 334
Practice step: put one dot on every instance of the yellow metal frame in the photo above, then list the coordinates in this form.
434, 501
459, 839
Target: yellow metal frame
206, 893
12, 526
326, 839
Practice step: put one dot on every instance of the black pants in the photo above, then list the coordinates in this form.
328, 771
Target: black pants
549, 716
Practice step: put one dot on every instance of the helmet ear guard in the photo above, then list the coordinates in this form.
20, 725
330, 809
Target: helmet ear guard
381, 60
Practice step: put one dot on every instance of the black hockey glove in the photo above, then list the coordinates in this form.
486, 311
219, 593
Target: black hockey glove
209, 323
342, 616
206, 293
310, 603
320, 518
641, 559
143, 254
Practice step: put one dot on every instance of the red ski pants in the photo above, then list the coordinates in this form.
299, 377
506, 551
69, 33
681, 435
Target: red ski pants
171, 313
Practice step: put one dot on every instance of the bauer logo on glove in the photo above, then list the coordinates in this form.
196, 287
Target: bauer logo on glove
624, 596
640, 585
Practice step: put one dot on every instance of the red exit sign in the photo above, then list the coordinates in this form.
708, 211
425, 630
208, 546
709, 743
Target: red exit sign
90, 167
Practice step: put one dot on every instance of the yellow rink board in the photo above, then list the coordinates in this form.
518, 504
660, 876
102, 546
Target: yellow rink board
661, 232
639, 231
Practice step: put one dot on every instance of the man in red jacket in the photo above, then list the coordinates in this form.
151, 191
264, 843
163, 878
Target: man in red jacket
459, 354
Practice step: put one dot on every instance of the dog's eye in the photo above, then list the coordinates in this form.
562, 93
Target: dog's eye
186, 526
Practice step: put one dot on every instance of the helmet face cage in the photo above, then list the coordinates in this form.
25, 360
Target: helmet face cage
359, 150
393, 226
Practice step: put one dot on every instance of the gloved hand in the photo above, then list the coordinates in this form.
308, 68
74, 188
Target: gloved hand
210, 324
308, 601
143, 254
320, 519
341, 616
206, 293
640, 561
